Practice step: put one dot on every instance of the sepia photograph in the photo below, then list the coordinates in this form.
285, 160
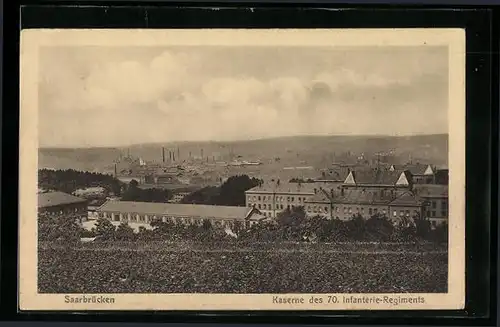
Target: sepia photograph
242, 169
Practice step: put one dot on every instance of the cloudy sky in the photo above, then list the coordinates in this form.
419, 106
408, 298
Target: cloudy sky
107, 96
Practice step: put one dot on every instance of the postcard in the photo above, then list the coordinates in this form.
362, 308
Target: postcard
242, 169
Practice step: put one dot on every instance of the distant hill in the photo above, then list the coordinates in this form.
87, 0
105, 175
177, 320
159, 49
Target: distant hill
296, 150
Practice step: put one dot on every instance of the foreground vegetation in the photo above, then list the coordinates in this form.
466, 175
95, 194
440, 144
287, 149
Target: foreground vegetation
105, 270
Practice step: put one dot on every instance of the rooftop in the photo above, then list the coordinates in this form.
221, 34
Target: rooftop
284, 187
189, 210
51, 199
376, 176
431, 190
384, 197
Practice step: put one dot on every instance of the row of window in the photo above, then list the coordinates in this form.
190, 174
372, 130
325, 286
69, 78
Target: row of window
259, 198
65, 211
433, 213
147, 219
444, 204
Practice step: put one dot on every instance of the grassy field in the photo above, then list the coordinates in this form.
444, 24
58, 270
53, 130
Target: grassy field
282, 269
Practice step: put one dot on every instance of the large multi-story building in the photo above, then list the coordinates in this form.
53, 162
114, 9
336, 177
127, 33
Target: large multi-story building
421, 174
146, 212
274, 197
436, 201
376, 191
59, 204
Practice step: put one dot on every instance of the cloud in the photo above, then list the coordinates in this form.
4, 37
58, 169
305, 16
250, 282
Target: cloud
184, 95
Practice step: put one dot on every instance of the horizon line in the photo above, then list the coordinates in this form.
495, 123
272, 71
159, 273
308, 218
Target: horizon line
239, 140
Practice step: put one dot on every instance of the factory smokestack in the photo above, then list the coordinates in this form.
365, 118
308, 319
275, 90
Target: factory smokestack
178, 153
116, 174
201, 153
189, 154
170, 155
173, 156
163, 154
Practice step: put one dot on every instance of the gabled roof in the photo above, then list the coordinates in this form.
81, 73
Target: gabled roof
52, 199
174, 209
377, 177
407, 199
431, 190
420, 169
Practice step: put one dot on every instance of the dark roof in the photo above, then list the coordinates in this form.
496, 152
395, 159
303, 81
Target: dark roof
362, 196
336, 173
431, 190
382, 197
377, 176
416, 169
284, 187
187, 210
407, 199
320, 197
51, 199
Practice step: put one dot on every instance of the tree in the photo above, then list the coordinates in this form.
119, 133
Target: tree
356, 228
232, 192
405, 230
134, 193
104, 229
58, 229
440, 233
379, 228
422, 227
124, 232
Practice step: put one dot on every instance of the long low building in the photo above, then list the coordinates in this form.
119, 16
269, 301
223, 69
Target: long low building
147, 212
62, 205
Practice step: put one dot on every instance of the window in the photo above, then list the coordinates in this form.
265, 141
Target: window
282, 207
260, 207
326, 209
288, 198
444, 204
288, 206
293, 199
433, 204
350, 210
249, 205
401, 213
370, 211
375, 210
428, 213
395, 213
363, 210
259, 198
433, 223
384, 211
407, 212
434, 214
443, 213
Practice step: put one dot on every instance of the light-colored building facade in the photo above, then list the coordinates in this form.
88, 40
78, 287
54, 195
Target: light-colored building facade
147, 212
436, 198
274, 197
